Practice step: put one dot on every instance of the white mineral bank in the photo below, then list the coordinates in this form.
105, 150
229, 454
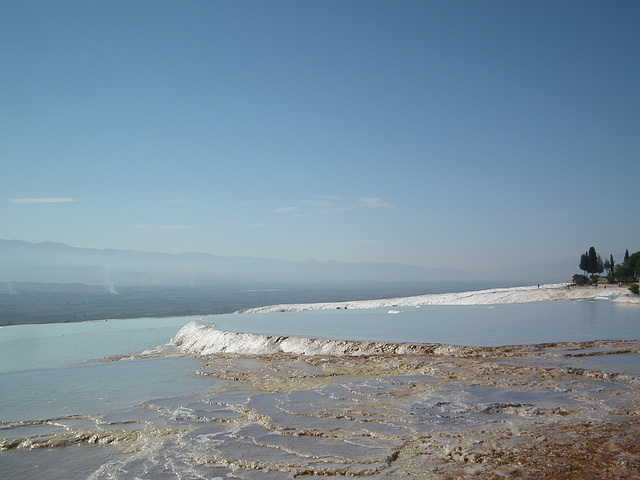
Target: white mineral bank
544, 293
204, 339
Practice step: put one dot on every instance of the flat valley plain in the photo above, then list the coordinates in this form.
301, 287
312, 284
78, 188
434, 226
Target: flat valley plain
36, 303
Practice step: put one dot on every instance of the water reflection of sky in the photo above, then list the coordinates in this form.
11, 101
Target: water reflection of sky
627, 363
97, 387
481, 325
624, 363
25, 347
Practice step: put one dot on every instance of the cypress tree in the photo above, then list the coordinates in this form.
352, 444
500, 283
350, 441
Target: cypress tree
584, 263
593, 261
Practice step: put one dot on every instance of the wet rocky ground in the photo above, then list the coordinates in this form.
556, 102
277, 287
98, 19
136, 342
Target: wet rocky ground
542, 412
509, 412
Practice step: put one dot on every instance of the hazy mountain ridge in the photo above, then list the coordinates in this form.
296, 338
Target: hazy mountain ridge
49, 262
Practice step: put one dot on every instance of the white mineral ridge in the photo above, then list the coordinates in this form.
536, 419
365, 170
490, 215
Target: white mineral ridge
205, 339
549, 292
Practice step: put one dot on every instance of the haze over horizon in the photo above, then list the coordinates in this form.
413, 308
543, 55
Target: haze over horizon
59, 263
471, 136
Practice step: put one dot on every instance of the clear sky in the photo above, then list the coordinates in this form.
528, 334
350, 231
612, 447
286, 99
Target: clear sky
455, 134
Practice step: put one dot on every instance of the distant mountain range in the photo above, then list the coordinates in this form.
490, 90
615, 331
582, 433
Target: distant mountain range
59, 263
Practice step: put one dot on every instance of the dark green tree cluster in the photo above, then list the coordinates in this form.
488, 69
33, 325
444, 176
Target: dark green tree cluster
629, 269
591, 264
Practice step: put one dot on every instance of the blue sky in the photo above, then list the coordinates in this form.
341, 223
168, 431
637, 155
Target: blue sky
452, 134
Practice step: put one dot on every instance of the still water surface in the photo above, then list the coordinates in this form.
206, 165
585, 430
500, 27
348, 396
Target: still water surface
50, 370
476, 325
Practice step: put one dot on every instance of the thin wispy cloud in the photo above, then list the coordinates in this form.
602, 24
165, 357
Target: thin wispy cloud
257, 225
353, 242
330, 204
164, 227
41, 200
285, 210
248, 225
535, 216
373, 202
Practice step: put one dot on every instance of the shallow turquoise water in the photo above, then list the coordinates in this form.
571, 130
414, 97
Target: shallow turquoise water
26, 347
477, 325
51, 371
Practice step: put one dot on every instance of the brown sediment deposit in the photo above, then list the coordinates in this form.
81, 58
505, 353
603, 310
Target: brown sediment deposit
552, 411
492, 413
